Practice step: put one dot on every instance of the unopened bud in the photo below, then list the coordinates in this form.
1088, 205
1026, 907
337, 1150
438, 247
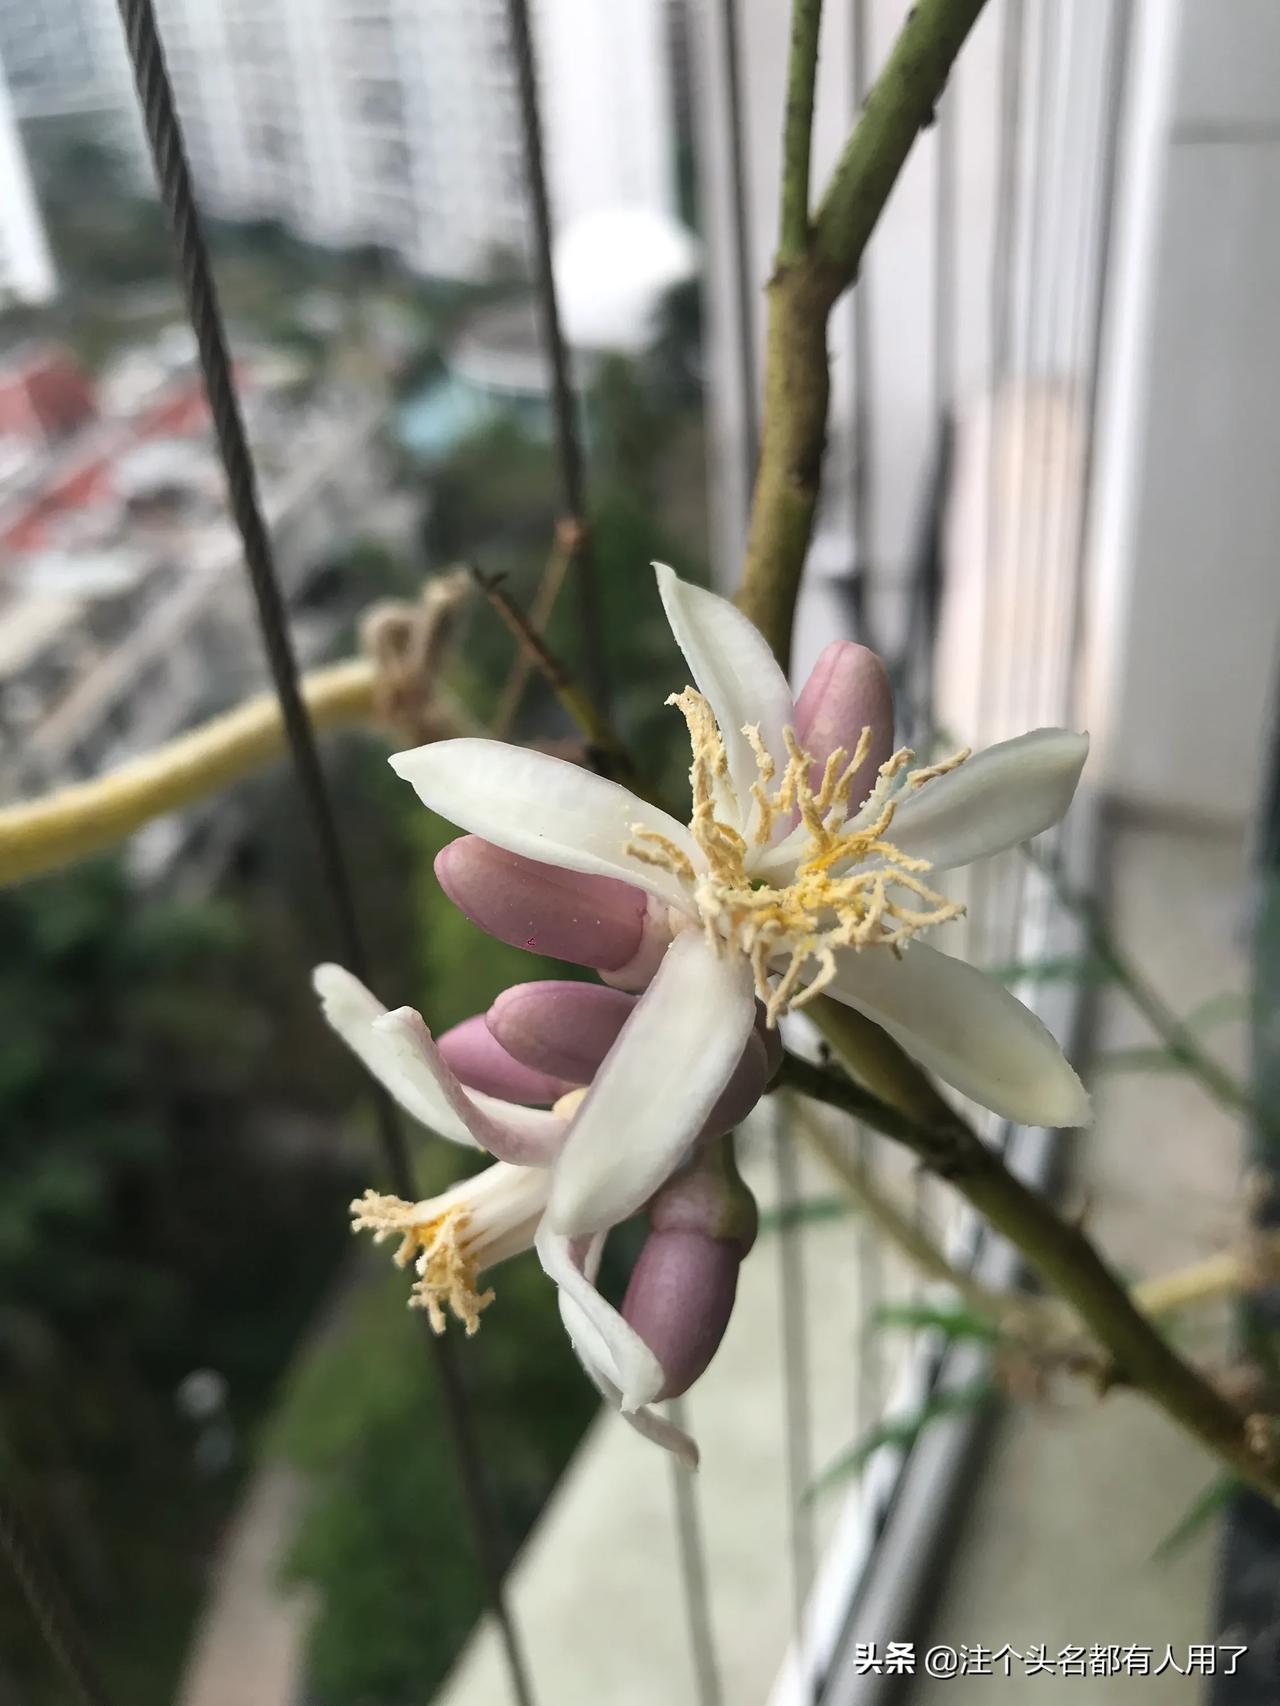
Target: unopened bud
847, 690
588, 920
558, 1027
566, 1029
679, 1301
481, 1063
701, 1225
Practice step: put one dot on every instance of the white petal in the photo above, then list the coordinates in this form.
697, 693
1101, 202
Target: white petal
734, 670
967, 1028
398, 1049
607, 1347
651, 1424
504, 1205
655, 1087
1003, 796
543, 807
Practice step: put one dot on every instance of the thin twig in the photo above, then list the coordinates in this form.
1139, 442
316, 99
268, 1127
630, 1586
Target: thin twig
568, 541
797, 132
1060, 1252
606, 751
1035, 1323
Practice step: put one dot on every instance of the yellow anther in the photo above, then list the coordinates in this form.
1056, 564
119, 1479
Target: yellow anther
918, 778
651, 847
847, 884
445, 1265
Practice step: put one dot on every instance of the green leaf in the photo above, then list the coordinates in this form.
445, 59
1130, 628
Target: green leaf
1202, 1509
1219, 1009
1154, 1059
1066, 969
954, 1320
814, 1209
901, 1431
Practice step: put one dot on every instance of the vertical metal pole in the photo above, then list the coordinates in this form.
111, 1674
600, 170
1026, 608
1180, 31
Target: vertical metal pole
795, 1377
693, 1572
563, 405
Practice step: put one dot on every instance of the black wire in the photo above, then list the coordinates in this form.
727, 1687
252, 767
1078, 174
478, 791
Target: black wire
49, 1606
563, 404
169, 156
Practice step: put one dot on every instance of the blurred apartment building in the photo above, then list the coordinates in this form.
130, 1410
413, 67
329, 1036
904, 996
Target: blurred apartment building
124, 613
26, 268
388, 122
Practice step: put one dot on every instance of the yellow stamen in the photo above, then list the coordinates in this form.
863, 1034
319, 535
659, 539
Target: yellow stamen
918, 778
841, 893
445, 1265
651, 847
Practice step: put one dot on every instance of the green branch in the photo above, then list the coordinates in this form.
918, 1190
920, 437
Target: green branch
815, 266
1057, 1249
797, 132
900, 105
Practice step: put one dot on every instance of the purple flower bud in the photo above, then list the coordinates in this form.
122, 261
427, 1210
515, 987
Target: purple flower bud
567, 1029
847, 690
708, 1196
481, 1062
743, 1090
561, 1028
680, 1299
590, 921
655, 938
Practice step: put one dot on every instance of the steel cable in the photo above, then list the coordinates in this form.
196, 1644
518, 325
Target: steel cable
164, 135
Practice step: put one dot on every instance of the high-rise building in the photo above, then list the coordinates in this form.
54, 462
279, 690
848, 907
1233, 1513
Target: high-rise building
66, 64
391, 122
26, 267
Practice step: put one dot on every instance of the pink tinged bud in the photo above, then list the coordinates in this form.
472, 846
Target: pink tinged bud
847, 690
481, 1062
743, 1090
680, 1299
655, 938
567, 1029
561, 1028
590, 921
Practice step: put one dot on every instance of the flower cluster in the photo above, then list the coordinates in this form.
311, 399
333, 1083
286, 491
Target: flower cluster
808, 864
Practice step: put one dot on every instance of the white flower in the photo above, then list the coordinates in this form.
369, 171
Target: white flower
453, 1238
773, 888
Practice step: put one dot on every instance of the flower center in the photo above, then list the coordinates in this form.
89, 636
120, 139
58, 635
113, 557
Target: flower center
447, 1258
850, 887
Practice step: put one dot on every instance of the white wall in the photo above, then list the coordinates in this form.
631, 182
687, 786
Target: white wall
1188, 565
